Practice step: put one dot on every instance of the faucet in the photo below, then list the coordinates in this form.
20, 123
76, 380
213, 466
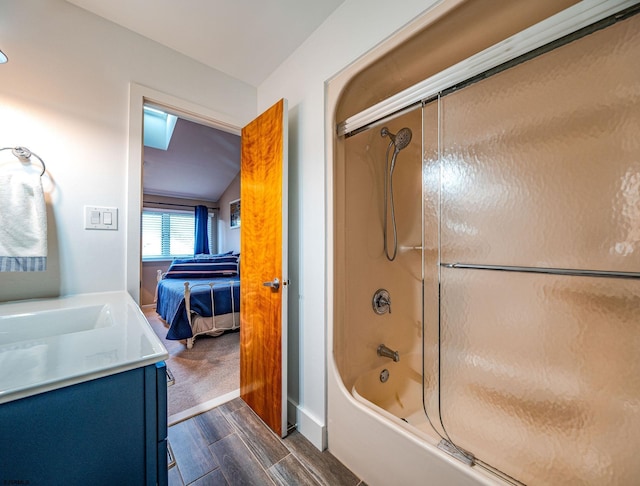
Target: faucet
388, 353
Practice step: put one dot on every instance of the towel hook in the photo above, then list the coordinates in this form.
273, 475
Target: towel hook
24, 154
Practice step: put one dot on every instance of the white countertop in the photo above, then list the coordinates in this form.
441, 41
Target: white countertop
47, 344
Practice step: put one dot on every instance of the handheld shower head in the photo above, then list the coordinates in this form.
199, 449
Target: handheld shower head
400, 140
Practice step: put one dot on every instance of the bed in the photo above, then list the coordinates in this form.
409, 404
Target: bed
199, 296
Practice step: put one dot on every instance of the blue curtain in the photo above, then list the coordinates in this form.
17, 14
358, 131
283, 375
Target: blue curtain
202, 234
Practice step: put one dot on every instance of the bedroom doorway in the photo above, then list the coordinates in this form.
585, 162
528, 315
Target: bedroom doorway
187, 143
187, 163
139, 96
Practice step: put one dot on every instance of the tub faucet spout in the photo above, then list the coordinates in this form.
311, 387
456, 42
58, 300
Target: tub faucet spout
388, 353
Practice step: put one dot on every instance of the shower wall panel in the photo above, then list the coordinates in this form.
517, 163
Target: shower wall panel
367, 268
462, 29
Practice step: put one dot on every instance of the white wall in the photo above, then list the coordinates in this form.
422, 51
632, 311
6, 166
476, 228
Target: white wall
65, 95
353, 29
228, 238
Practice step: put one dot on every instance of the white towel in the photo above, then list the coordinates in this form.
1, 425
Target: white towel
23, 223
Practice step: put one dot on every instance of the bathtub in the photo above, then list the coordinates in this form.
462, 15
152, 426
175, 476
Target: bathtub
394, 443
399, 398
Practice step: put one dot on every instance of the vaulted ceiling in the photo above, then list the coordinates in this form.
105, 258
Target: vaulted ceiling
245, 39
199, 163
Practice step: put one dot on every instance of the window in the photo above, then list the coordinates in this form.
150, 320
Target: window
171, 234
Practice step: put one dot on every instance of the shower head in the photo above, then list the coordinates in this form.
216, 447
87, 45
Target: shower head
403, 138
400, 140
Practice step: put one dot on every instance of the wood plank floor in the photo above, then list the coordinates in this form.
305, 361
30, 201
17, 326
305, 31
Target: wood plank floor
230, 445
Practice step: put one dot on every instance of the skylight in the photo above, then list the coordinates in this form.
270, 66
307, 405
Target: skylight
158, 128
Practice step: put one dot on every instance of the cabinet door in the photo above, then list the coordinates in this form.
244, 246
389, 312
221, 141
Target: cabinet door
156, 417
90, 433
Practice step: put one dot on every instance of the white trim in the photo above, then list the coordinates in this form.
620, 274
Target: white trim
566, 22
285, 267
292, 413
310, 427
202, 407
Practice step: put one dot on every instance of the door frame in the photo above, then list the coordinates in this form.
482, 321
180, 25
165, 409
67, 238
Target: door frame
140, 95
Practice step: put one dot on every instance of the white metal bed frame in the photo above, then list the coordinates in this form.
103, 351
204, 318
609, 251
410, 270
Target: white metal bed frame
212, 326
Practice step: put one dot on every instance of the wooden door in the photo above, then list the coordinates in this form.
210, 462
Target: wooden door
263, 267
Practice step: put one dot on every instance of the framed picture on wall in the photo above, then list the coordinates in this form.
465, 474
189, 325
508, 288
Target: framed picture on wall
234, 213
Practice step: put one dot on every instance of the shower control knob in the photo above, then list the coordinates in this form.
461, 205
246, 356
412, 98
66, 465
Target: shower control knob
381, 302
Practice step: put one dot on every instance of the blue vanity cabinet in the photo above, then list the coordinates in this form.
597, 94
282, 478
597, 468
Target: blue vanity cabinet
106, 431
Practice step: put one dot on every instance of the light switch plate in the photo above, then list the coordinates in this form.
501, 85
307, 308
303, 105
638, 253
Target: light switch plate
101, 218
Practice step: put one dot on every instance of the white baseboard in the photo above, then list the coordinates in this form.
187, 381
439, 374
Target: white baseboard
314, 431
203, 407
306, 424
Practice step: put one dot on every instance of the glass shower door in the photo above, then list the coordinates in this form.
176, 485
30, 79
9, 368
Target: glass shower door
540, 374
539, 253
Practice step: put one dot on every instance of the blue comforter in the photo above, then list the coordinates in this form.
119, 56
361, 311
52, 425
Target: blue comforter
171, 306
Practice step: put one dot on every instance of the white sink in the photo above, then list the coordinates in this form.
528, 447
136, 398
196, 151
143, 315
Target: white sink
50, 343
48, 323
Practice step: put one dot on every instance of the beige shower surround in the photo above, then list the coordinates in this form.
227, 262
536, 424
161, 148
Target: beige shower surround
527, 181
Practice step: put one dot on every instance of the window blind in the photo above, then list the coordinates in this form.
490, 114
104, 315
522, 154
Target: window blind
171, 234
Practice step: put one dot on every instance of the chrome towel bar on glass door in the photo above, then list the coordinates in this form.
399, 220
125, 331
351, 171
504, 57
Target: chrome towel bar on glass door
552, 271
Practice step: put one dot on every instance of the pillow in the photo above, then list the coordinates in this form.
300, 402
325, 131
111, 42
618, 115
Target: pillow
224, 259
203, 269
203, 258
207, 256
183, 260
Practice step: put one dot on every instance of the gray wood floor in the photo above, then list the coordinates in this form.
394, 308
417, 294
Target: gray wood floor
230, 445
